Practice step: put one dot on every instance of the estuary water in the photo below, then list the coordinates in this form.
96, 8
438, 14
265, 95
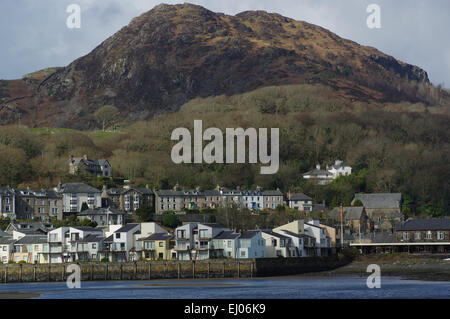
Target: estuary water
347, 287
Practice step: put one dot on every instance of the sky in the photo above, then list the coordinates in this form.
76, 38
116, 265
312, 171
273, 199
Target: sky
34, 34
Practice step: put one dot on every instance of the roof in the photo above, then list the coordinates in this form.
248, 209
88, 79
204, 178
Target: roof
212, 225
318, 172
78, 188
158, 236
126, 228
91, 239
299, 196
350, 213
249, 234
296, 235
6, 240
272, 233
272, 193
32, 239
109, 239
227, 234
86, 228
169, 192
101, 211
425, 224
380, 200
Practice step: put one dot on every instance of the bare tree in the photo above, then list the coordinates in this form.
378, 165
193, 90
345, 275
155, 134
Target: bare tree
107, 115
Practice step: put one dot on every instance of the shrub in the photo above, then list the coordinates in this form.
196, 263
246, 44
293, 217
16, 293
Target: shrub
21, 262
104, 260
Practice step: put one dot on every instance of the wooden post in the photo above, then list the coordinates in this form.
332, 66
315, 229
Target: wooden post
193, 270
134, 270
251, 270
149, 270
238, 269
106, 271
165, 270
34, 273
49, 270
92, 273
179, 270
63, 272
209, 268
223, 269
6, 274
20, 273
121, 271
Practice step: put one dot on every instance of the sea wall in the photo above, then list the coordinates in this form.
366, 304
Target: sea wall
149, 270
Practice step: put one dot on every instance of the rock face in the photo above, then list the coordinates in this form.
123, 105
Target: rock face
174, 53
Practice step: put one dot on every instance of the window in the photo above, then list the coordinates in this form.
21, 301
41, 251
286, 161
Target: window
243, 253
229, 244
161, 244
94, 246
117, 235
405, 235
4, 248
203, 233
440, 235
417, 236
429, 236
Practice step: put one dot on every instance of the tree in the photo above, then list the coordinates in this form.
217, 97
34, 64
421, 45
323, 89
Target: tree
357, 203
107, 115
171, 220
145, 214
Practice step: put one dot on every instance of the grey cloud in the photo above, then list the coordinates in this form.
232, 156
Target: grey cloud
34, 34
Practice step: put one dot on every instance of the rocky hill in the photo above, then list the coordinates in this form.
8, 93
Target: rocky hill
174, 53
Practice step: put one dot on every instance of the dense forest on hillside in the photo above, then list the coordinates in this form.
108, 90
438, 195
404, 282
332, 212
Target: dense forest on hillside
399, 147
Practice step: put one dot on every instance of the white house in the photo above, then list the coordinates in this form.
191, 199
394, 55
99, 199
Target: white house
6, 248
253, 200
226, 244
75, 194
251, 245
300, 201
120, 243
278, 245
323, 243
184, 237
339, 168
63, 243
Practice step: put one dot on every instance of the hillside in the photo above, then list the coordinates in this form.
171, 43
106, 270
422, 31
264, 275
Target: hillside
394, 147
175, 53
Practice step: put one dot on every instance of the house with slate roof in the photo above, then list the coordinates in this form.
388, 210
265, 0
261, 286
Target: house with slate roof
103, 216
128, 199
326, 176
278, 245
6, 248
299, 201
226, 244
251, 245
7, 203
381, 206
424, 230
42, 204
75, 194
120, 244
84, 165
30, 249
355, 219
157, 246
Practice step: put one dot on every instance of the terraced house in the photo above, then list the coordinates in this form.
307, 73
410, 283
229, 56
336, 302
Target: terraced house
428, 235
75, 194
39, 204
7, 203
128, 199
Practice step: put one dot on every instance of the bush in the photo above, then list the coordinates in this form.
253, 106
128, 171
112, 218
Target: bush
171, 220
11, 262
350, 253
21, 262
104, 260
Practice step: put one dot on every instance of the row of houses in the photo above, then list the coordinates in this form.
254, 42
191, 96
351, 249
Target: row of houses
41, 243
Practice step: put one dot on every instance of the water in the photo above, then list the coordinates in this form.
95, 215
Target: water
289, 288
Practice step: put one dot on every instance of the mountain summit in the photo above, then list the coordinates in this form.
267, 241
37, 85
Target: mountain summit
174, 53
